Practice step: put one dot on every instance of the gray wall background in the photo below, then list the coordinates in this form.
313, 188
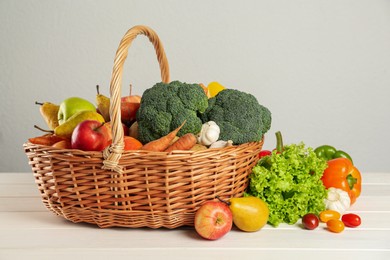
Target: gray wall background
321, 67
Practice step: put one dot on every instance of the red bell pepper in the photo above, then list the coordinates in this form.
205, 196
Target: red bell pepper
342, 174
279, 146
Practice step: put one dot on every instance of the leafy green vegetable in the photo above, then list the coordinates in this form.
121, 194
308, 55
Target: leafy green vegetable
290, 183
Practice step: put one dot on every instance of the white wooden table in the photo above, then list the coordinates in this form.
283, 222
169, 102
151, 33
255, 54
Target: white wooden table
29, 231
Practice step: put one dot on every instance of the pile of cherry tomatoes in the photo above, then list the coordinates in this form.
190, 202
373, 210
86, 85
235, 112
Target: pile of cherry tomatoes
333, 219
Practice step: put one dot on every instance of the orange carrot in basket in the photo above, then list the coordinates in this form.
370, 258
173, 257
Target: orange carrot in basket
185, 142
48, 139
162, 143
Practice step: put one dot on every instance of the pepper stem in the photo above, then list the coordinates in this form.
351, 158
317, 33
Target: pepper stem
351, 181
279, 142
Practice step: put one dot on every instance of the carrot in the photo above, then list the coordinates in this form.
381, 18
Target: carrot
48, 139
162, 143
185, 142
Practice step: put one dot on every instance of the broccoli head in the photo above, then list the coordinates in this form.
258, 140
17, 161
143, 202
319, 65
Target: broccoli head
239, 115
164, 107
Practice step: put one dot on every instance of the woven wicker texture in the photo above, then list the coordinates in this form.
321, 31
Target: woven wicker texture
137, 188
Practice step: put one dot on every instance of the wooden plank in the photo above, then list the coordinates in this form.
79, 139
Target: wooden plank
16, 177
19, 190
374, 220
29, 231
191, 253
91, 237
21, 204
376, 190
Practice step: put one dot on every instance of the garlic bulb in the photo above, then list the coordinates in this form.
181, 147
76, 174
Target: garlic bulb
209, 133
221, 144
337, 200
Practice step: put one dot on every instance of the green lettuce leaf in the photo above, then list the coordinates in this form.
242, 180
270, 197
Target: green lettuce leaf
290, 183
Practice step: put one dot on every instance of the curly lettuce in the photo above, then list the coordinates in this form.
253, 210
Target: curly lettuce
290, 183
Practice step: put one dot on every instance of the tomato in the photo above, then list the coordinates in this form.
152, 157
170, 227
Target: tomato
310, 221
335, 225
327, 215
351, 220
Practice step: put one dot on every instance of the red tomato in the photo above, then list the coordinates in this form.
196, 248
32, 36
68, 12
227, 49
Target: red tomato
335, 225
310, 221
351, 220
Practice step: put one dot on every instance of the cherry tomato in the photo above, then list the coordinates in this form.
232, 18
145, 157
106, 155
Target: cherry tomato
351, 220
310, 221
335, 225
327, 215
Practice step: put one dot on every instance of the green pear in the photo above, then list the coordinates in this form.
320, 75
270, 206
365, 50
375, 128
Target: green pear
71, 106
66, 129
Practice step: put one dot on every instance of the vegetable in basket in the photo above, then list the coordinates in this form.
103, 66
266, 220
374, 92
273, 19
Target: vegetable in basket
164, 107
239, 115
290, 183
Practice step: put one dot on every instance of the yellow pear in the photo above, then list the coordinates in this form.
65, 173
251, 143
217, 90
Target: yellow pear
103, 105
249, 213
66, 128
49, 112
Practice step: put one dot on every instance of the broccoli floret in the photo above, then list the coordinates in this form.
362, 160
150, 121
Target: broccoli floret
164, 107
239, 115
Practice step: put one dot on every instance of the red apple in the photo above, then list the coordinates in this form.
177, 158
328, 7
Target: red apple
129, 107
90, 135
213, 220
128, 112
131, 99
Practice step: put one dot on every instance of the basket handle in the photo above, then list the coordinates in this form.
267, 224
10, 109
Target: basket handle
113, 153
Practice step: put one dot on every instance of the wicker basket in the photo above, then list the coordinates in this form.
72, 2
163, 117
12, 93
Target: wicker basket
137, 188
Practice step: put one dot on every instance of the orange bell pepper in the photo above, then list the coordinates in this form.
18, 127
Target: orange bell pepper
343, 175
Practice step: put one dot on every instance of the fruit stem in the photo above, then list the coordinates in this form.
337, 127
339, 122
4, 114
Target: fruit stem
38, 103
224, 201
97, 89
131, 89
101, 125
43, 130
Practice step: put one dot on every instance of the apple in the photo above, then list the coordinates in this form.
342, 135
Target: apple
129, 112
90, 135
131, 99
213, 220
71, 106
129, 107
109, 126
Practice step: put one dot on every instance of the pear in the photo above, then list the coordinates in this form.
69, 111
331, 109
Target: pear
49, 112
249, 213
103, 105
71, 106
66, 129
